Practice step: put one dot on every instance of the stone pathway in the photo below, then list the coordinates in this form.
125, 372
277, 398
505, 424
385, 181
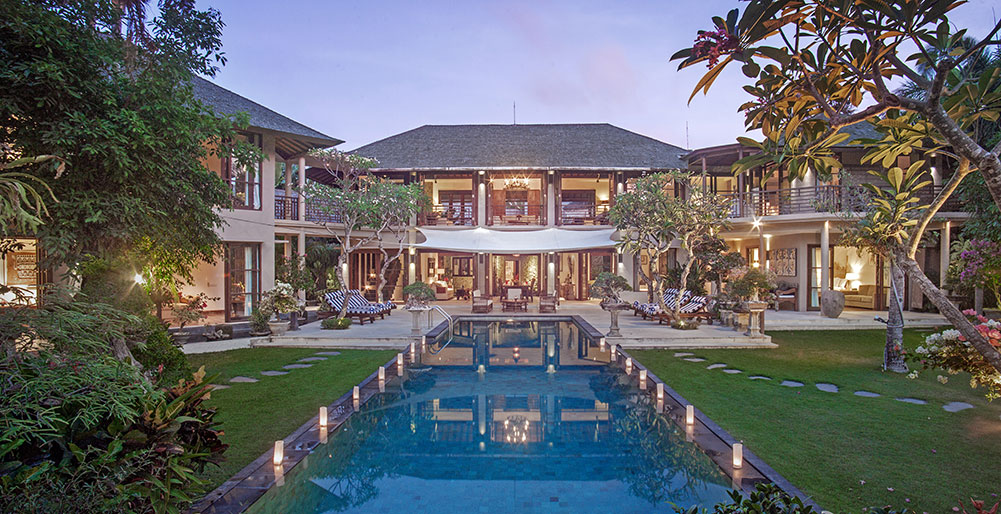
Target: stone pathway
822, 386
311, 359
274, 373
297, 366
243, 380
827, 388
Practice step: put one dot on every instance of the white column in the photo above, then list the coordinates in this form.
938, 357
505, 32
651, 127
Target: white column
944, 244
550, 273
412, 251
481, 198
825, 256
288, 179
551, 200
302, 186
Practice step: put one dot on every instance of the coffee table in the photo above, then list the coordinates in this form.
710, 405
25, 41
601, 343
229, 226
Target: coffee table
519, 305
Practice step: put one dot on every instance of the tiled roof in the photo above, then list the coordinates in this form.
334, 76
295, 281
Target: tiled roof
585, 145
227, 102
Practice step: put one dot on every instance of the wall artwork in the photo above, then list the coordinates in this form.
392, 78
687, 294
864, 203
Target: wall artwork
784, 262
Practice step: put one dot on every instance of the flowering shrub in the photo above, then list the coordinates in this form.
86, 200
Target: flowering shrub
950, 351
978, 264
192, 310
281, 299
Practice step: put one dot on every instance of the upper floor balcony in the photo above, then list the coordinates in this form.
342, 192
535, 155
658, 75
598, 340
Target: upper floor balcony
459, 214
287, 208
816, 199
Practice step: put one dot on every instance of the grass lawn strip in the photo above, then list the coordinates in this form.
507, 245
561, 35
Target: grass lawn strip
848, 451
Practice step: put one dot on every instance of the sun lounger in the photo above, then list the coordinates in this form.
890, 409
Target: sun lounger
481, 304
361, 310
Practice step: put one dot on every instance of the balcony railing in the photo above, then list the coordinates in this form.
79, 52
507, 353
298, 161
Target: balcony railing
827, 198
517, 213
583, 213
449, 214
287, 208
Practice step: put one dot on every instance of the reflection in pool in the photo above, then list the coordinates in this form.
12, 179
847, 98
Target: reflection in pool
517, 437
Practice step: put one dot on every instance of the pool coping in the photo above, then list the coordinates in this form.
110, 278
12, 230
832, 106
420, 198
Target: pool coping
750, 458
243, 489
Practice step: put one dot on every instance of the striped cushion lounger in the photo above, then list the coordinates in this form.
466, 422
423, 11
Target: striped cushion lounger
336, 299
695, 309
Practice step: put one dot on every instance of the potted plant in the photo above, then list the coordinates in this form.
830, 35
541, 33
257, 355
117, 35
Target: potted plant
607, 286
188, 312
749, 287
418, 296
282, 300
259, 321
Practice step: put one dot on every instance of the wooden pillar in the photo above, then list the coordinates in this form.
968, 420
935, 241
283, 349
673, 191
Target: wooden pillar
943, 254
300, 253
825, 257
302, 187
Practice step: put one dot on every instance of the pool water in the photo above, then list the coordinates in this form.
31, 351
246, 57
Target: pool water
520, 436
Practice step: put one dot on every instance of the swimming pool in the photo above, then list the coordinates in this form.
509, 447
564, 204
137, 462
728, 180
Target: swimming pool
547, 424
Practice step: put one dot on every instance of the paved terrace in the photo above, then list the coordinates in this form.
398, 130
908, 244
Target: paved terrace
393, 332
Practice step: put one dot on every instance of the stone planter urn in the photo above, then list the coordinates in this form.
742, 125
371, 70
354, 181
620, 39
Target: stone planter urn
832, 303
278, 328
755, 320
416, 309
182, 336
614, 309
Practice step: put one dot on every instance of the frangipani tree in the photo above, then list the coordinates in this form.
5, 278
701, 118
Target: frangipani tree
819, 66
697, 223
399, 202
642, 217
352, 203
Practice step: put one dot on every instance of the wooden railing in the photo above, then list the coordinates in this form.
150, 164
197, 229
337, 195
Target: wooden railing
519, 214
583, 213
449, 214
825, 198
287, 208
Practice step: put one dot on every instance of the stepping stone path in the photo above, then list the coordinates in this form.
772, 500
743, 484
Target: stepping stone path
915, 401
956, 406
297, 366
715, 366
759, 377
274, 373
867, 394
827, 388
216, 387
732, 371
329, 354
695, 359
683, 354
312, 359
791, 383
243, 380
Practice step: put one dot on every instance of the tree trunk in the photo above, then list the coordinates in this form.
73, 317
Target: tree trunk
950, 311
342, 260
681, 286
120, 350
893, 359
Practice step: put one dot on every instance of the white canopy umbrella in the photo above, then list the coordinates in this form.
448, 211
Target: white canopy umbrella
487, 240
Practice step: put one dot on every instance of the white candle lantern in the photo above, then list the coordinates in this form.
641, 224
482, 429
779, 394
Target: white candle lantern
551, 369
642, 379
629, 365
323, 417
481, 369
399, 364
279, 454
660, 391
689, 415
356, 394
382, 373
738, 455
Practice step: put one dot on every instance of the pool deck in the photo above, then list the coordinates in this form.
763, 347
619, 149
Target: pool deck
394, 332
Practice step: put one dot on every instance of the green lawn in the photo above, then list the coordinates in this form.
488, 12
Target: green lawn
848, 451
255, 415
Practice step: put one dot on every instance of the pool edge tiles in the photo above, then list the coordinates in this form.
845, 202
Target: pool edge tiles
249, 484
706, 442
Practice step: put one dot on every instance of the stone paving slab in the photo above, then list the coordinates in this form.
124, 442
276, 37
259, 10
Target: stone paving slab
297, 366
759, 377
274, 373
695, 359
956, 406
329, 354
867, 394
791, 383
716, 366
827, 388
732, 371
311, 359
915, 401
243, 380
216, 387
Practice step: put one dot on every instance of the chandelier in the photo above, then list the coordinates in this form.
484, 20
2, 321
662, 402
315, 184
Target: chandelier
516, 183
516, 429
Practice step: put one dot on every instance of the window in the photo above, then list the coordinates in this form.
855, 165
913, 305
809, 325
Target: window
516, 202
19, 270
243, 279
244, 182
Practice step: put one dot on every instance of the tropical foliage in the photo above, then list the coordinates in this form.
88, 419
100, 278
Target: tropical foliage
819, 67
977, 263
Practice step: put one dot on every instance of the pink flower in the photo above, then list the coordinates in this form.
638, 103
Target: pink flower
970, 312
889, 489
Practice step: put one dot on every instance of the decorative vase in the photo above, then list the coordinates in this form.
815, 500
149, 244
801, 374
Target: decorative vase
832, 303
278, 328
415, 309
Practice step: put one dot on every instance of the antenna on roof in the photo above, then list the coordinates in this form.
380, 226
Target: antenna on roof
686, 135
514, 113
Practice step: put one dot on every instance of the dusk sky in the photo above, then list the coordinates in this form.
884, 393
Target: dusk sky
364, 70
